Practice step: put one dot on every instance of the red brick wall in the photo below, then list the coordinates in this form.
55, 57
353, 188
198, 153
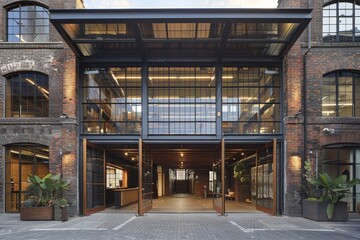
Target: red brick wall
61, 134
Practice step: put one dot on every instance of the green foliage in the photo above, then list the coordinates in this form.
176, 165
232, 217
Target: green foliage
46, 191
334, 189
313, 199
29, 203
240, 172
309, 173
62, 203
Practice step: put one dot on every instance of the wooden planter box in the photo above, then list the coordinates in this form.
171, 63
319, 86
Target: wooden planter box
36, 213
315, 210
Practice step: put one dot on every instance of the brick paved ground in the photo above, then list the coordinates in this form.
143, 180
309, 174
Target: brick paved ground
177, 226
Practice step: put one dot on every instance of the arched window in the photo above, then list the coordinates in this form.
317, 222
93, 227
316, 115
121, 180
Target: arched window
21, 161
343, 159
27, 22
341, 94
27, 95
341, 21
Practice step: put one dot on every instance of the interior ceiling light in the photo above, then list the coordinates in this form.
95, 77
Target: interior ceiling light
126, 153
181, 154
132, 158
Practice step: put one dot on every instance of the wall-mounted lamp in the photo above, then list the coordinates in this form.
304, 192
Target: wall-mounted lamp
329, 131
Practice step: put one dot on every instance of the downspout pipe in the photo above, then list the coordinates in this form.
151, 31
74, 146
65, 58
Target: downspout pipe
305, 103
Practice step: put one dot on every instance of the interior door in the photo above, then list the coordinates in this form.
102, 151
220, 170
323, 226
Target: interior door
145, 179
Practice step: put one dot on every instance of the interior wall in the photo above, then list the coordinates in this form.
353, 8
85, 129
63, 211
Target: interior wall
201, 182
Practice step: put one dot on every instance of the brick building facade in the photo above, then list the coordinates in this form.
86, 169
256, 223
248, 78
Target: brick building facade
59, 134
304, 122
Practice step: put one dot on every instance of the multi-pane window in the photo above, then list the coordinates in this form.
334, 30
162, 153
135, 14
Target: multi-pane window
27, 22
114, 177
182, 100
250, 100
341, 94
345, 161
111, 100
341, 21
21, 161
27, 95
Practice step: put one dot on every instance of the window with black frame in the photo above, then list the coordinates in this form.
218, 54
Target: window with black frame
182, 100
111, 100
21, 161
346, 161
341, 21
27, 95
250, 100
27, 22
341, 94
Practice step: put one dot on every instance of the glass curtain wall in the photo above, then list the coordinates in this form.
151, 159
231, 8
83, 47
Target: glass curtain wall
22, 160
111, 100
336, 161
182, 100
250, 100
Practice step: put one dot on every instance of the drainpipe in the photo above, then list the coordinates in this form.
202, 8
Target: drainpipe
305, 101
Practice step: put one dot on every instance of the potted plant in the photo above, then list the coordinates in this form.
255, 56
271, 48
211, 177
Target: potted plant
327, 206
42, 194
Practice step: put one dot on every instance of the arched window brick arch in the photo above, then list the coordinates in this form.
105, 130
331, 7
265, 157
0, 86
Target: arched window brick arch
341, 20
27, 95
27, 21
341, 94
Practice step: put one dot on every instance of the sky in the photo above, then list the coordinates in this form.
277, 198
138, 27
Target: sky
180, 3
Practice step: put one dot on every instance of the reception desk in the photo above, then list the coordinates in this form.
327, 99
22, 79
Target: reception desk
125, 196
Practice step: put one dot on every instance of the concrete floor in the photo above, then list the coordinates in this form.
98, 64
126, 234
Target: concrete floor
187, 203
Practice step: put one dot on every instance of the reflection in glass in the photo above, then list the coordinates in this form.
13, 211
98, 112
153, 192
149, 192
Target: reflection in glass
27, 95
28, 23
251, 101
336, 161
112, 101
182, 100
22, 160
95, 184
340, 94
339, 21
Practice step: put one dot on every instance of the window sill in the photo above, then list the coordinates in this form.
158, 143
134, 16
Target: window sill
31, 45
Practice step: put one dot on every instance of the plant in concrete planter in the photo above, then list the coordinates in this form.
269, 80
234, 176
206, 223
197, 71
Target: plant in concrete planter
333, 190
42, 194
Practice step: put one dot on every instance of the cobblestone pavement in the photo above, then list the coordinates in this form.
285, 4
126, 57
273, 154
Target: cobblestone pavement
177, 226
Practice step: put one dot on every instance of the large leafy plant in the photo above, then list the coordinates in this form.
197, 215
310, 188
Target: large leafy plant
334, 189
45, 191
240, 172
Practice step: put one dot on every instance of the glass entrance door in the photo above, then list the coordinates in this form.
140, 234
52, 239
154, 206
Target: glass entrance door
266, 176
145, 179
219, 182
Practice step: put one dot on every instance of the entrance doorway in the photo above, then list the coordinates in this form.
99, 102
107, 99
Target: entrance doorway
180, 177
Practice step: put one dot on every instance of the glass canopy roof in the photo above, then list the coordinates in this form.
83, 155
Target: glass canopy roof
185, 33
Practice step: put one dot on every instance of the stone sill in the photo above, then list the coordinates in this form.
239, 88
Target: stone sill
37, 121
32, 45
332, 45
